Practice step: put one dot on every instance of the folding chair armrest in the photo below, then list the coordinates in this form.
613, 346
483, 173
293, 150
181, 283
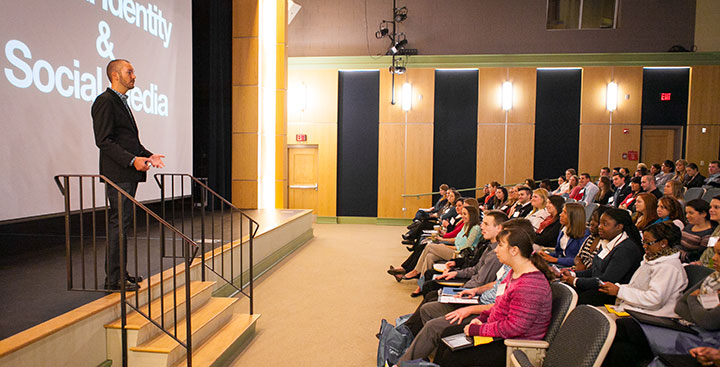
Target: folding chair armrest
521, 343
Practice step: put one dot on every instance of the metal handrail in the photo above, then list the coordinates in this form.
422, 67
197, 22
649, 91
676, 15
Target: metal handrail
209, 197
190, 249
464, 190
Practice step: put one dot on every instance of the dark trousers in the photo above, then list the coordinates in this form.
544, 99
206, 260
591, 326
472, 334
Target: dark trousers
112, 260
491, 354
630, 346
415, 322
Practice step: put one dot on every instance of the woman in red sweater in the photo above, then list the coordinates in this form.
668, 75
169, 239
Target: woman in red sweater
522, 306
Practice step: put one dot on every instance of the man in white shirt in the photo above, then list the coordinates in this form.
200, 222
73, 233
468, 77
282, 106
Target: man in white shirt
589, 189
714, 179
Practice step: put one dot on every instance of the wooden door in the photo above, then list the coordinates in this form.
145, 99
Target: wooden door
303, 178
657, 145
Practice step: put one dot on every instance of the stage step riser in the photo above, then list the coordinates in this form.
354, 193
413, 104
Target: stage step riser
136, 336
222, 347
147, 356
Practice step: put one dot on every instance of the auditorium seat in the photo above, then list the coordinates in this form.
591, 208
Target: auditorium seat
694, 193
583, 341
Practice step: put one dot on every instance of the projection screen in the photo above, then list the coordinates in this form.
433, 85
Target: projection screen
53, 67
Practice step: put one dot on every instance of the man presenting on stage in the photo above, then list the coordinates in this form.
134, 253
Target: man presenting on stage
123, 160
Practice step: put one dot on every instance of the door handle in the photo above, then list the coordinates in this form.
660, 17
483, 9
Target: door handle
304, 187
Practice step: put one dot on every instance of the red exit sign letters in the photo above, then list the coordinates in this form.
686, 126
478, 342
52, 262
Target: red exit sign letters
665, 96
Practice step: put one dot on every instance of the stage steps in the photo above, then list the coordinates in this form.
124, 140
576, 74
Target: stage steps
217, 330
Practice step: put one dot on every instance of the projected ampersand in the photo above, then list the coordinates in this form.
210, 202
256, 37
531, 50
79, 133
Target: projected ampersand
103, 44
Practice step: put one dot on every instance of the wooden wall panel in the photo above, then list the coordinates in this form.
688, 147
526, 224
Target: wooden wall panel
629, 80
245, 61
391, 168
702, 147
704, 104
321, 95
490, 82
245, 18
423, 88
245, 156
593, 108
524, 82
593, 153
419, 167
622, 142
245, 194
521, 152
490, 153
244, 120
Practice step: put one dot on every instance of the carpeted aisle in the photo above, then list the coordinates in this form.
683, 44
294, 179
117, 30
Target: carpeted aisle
322, 305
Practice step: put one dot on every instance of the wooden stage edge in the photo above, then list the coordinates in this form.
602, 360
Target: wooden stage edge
77, 337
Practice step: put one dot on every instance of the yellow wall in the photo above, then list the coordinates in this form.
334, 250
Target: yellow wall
406, 139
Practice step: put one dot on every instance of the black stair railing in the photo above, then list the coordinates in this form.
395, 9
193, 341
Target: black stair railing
86, 242
218, 226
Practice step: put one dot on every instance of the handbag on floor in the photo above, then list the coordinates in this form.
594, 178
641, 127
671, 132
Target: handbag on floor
393, 341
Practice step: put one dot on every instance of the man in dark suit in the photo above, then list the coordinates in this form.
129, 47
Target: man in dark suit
123, 160
622, 190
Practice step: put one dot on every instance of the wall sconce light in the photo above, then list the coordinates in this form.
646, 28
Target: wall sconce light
507, 96
406, 97
611, 96
297, 97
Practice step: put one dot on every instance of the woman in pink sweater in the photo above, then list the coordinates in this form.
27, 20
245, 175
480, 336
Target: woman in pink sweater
522, 306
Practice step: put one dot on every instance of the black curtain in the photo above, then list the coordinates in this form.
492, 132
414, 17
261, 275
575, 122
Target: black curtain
212, 72
455, 129
557, 122
357, 146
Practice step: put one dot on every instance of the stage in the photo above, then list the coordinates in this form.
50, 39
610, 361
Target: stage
37, 311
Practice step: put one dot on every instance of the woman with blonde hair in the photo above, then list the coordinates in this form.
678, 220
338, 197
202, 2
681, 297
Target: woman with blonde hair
673, 189
645, 210
680, 174
571, 236
539, 213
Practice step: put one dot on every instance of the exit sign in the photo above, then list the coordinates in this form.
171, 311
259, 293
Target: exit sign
664, 96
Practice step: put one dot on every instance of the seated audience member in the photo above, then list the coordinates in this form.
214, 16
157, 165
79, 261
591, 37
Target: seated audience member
546, 184
694, 178
512, 199
626, 171
590, 248
445, 237
569, 173
620, 254
670, 210
706, 257
648, 184
538, 213
635, 190
674, 189
521, 311
643, 166
696, 234
549, 229
522, 207
500, 201
428, 321
605, 171
713, 179
563, 186
423, 213
645, 210
606, 191
654, 289
571, 237
680, 171
468, 237
485, 194
667, 173
622, 189
655, 169
529, 182
588, 191
574, 187
447, 212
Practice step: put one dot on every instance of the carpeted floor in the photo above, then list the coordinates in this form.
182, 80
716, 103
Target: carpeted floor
322, 305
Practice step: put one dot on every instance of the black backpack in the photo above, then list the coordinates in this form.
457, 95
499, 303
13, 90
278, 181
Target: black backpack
394, 341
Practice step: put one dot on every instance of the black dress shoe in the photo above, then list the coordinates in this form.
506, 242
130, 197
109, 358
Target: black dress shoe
406, 236
413, 294
134, 279
408, 242
394, 270
129, 287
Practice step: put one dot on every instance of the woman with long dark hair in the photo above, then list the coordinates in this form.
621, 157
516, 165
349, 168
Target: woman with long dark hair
571, 236
522, 310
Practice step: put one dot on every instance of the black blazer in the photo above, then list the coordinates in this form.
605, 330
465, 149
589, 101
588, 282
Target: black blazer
116, 134
617, 267
620, 195
697, 181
